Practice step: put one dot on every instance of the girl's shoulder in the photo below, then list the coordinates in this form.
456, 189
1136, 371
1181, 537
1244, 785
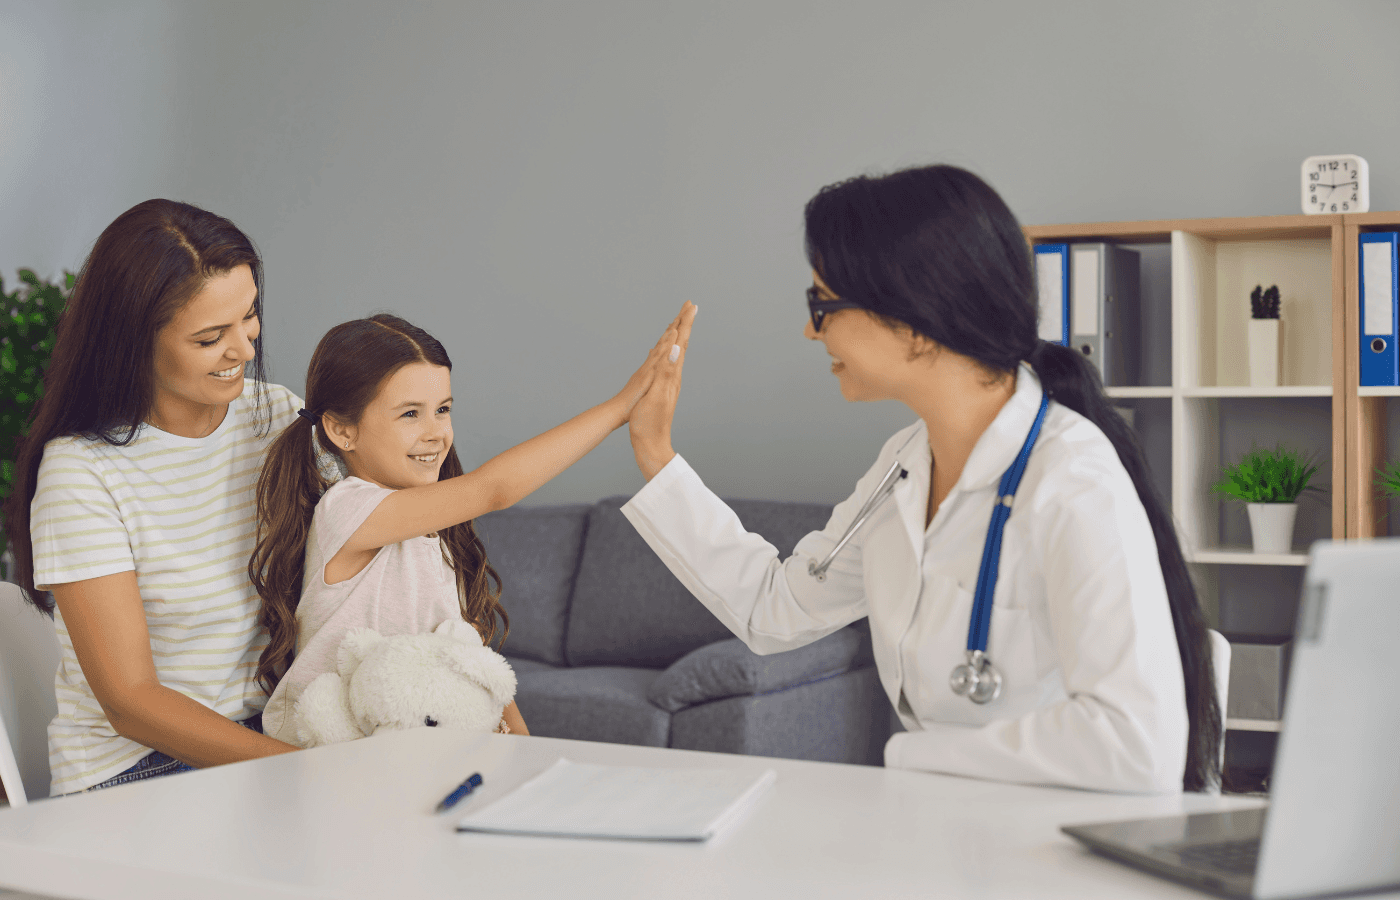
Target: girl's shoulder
349, 491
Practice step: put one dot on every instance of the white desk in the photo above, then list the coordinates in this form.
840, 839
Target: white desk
355, 820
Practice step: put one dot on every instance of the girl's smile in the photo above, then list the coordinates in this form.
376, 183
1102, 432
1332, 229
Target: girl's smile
405, 432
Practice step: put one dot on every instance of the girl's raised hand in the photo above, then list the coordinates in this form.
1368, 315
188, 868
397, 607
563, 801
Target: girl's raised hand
642, 379
650, 422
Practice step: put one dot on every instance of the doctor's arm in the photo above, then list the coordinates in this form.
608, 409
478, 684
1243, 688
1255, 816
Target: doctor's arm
1123, 725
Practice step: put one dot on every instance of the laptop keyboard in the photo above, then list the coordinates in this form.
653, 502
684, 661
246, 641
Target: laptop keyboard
1238, 857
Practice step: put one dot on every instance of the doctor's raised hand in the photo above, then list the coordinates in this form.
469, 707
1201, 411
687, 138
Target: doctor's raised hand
649, 425
1031, 615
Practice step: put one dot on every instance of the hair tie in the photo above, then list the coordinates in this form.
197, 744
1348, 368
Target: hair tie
311, 417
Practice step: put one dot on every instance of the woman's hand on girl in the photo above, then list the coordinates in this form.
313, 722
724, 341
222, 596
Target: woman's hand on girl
649, 425
643, 378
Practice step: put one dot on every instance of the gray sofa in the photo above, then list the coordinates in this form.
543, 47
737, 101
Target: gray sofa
608, 646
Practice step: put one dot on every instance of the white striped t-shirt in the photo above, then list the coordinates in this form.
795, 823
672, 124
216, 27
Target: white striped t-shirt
182, 513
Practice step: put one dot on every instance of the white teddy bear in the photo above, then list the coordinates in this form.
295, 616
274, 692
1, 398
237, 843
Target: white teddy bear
443, 679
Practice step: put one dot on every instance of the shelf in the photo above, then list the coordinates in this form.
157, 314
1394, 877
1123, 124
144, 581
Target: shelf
1243, 556
1311, 390
1133, 393
1253, 724
1373, 391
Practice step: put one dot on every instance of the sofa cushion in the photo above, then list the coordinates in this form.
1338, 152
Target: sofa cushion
536, 553
599, 703
844, 719
627, 607
730, 669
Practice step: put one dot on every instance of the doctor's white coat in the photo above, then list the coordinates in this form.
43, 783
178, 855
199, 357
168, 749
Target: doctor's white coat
1092, 693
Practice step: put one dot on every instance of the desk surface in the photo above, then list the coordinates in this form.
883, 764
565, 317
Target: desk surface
356, 820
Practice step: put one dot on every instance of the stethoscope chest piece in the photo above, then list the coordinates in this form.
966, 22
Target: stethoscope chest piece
977, 679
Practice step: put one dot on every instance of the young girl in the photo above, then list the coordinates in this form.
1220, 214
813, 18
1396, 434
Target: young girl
391, 546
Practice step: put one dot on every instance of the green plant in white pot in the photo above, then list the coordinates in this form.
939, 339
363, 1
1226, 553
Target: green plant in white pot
1269, 483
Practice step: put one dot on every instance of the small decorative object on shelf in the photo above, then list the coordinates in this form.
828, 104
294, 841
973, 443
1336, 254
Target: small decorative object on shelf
1270, 482
1339, 183
1265, 337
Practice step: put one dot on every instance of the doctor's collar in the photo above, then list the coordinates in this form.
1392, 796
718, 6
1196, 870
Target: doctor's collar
996, 449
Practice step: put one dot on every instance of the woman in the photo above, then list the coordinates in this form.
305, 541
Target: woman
133, 501
1091, 668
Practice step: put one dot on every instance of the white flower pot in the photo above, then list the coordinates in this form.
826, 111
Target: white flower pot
1271, 526
1265, 348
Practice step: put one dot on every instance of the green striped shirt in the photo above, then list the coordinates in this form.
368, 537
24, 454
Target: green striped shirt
181, 513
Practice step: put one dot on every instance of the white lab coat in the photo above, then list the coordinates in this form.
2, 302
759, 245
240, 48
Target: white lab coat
1093, 694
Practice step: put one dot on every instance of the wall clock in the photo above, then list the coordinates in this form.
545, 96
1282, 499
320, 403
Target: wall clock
1339, 183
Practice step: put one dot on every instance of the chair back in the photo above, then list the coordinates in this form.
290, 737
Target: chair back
1220, 660
29, 656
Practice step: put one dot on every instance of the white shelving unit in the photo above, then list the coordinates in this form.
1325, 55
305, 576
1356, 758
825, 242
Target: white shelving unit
1205, 414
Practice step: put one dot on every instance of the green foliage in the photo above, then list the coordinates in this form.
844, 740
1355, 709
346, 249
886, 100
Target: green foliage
1388, 479
1280, 475
28, 323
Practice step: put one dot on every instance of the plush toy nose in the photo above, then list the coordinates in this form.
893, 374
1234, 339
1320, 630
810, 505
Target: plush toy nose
430, 721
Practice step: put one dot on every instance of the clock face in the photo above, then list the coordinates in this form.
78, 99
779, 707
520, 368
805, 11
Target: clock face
1336, 184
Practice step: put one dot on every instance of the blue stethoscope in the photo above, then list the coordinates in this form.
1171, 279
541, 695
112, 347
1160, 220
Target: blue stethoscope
976, 678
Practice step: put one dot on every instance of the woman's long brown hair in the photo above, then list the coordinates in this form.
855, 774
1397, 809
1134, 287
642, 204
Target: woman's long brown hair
347, 369
141, 272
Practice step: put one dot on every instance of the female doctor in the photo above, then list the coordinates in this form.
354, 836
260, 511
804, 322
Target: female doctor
1031, 613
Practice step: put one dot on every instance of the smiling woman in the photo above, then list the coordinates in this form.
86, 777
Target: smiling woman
133, 501
198, 365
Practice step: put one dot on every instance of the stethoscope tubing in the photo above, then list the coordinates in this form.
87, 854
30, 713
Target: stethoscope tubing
977, 678
882, 490
981, 622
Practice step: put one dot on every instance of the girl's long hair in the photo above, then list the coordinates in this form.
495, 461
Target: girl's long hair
143, 269
347, 369
936, 249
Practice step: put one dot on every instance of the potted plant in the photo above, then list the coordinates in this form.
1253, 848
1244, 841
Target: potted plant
28, 324
1270, 482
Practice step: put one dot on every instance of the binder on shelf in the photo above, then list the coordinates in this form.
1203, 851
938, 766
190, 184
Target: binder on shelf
1052, 284
1104, 310
1380, 313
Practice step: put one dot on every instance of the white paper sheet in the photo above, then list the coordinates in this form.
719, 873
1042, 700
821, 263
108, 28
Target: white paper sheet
572, 799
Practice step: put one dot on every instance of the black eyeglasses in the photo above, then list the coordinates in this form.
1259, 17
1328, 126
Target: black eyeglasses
820, 308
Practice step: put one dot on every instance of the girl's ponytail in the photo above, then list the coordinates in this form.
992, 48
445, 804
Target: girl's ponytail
288, 489
1071, 381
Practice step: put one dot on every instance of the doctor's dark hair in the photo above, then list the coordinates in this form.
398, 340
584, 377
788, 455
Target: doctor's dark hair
936, 250
347, 369
100, 381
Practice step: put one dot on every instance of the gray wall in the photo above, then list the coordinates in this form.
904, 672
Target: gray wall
542, 184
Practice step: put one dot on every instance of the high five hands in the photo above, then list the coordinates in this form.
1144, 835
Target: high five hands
649, 420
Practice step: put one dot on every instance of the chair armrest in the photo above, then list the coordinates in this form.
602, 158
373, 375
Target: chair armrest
730, 669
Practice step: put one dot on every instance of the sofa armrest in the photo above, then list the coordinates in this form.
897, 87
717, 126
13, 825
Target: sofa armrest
730, 669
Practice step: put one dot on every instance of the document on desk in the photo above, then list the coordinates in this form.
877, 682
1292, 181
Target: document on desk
637, 803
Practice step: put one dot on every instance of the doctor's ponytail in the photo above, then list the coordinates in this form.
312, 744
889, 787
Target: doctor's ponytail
937, 250
1071, 381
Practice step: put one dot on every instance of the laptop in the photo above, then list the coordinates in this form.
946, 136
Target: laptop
1332, 825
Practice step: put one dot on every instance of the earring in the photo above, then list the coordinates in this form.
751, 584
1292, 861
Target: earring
347, 445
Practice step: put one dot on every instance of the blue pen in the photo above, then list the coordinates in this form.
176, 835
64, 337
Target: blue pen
462, 790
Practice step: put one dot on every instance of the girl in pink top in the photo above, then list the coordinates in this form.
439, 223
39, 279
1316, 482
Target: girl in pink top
391, 546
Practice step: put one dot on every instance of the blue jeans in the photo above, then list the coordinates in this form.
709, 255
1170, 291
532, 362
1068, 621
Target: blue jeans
157, 764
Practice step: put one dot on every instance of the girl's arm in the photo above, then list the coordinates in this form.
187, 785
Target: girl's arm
107, 624
513, 720
508, 477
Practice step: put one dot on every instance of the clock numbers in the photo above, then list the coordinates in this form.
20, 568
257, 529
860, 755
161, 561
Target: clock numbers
1335, 185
